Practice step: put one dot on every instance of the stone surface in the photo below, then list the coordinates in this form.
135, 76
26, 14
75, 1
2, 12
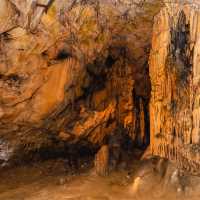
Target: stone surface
72, 71
162, 179
76, 72
174, 66
102, 161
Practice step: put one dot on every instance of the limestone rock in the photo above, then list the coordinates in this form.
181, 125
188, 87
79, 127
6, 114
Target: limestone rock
8, 16
102, 161
170, 182
68, 70
174, 66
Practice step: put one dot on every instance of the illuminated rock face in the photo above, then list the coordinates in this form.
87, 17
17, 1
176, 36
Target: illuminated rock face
77, 71
72, 71
174, 72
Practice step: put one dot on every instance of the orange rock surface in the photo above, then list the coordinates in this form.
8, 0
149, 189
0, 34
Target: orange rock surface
174, 106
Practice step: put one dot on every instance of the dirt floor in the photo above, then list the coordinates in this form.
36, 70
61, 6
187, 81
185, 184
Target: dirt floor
52, 180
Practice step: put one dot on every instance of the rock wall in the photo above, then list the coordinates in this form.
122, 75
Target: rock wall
76, 72
72, 72
174, 72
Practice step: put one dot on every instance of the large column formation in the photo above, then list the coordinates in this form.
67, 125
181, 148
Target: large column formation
175, 75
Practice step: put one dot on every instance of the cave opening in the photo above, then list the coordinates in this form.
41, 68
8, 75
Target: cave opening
108, 81
124, 143
113, 78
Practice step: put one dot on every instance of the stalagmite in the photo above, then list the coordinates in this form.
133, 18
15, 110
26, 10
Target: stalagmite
102, 161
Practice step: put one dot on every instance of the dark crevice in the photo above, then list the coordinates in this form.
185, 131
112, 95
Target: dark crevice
110, 61
144, 142
181, 59
63, 54
141, 97
147, 122
98, 78
74, 155
12, 80
11, 77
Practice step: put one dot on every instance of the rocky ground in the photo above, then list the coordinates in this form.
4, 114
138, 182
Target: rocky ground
142, 179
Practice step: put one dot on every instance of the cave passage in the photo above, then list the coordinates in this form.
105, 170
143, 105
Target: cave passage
107, 76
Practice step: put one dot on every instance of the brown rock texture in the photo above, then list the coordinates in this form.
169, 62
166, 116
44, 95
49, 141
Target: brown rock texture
102, 161
174, 66
72, 72
76, 73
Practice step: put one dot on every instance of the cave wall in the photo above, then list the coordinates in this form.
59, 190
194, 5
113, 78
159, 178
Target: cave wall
174, 72
75, 72
72, 72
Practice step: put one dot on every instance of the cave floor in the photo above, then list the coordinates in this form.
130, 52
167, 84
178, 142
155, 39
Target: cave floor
50, 180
